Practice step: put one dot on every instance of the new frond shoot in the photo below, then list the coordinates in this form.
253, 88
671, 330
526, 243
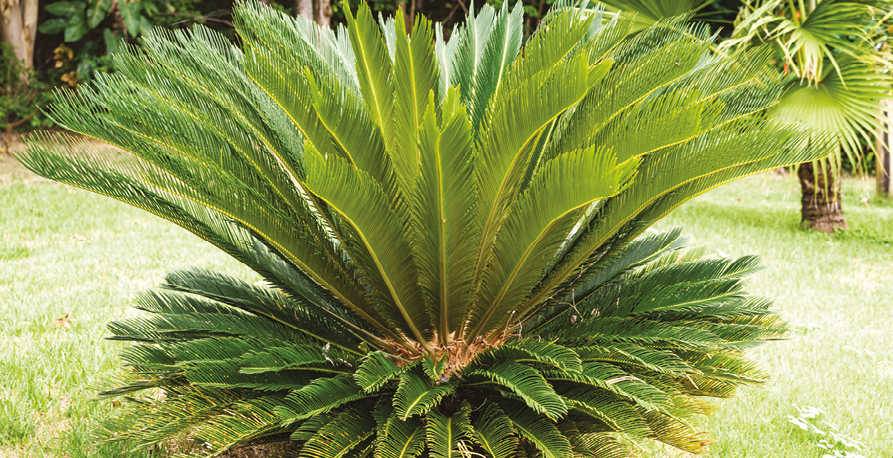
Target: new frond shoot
453, 235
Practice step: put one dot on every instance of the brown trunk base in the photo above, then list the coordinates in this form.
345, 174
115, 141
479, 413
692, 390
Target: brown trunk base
820, 205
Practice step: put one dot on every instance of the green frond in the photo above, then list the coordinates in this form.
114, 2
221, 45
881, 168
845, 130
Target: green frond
539, 222
636, 358
614, 412
538, 429
277, 359
532, 350
444, 433
309, 319
403, 438
342, 434
523, 381
416, 74
434, 368
375, 370
362, 202
319, 397
417, 395
616, 380
373, 68
494, 432
442, 205
488, 44
602, 445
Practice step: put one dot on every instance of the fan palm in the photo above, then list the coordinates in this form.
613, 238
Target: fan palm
828, 46
450, 234
645, 13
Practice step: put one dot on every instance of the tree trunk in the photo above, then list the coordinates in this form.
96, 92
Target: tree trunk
18, 27
304, 8
318, 10
407, 21
322, 11
883, 160
820, 204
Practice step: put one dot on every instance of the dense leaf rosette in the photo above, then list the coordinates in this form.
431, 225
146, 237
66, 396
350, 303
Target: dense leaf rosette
452, 234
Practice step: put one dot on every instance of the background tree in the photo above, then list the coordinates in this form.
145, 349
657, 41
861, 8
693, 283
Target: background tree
18, 28
829, 49
647, 12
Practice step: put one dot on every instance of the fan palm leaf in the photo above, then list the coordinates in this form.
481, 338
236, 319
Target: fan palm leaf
450, 234
830, 50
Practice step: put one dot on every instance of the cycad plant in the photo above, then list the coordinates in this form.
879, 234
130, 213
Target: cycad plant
450, 234
838, 80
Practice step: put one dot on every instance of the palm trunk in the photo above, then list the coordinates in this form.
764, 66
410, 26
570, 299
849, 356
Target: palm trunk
820, 205
883, 159
322, 11
318, 10
18, 27
304, 8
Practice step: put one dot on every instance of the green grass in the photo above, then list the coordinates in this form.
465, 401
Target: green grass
68, 251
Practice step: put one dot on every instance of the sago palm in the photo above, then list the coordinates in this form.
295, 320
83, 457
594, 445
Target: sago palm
450, 234
838, 80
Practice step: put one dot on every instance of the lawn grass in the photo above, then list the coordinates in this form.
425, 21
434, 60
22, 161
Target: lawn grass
69, 251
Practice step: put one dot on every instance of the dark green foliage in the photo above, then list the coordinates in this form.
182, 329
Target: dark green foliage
450, 234
21, 95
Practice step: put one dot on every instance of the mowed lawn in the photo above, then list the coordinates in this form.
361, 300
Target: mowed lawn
69, 253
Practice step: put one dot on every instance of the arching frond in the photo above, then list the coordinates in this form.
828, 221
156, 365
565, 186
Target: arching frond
449, 233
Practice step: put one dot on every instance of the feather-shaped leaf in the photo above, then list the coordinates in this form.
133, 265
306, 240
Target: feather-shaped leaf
525, 382
320, 397
416, 395
415, 76
444, 200
361, 201
376, 370
444, 433
493, 431
539, 430
373, 66
403, 439
342, 434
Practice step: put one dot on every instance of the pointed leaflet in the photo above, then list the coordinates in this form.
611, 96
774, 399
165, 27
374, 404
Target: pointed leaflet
340, 435
525, 382
465, 62
373, 68
498, 54
416, 396
319, 397
493, 431
539, 223
363, 205
681, 172
376, 370
518, 113
415, 75
538, 429
444, 433
443, 206
401, 438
